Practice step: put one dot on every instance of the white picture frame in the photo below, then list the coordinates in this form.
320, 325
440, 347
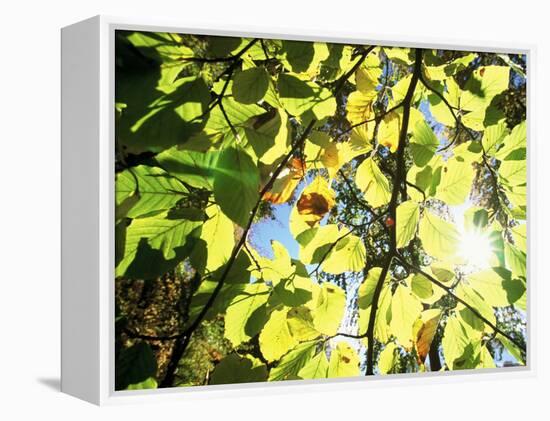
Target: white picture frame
88, 213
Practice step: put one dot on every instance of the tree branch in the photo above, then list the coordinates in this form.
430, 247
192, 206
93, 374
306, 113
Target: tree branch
460, 300
376, 119
182, 344
229, 72
397, 182
340, 82
331, 247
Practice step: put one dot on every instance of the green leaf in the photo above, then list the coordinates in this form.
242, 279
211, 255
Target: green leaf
439, 238
421, 286
389, 130
407, 215
238, 114
239, 369
493, 136
496, 286
294, 290
383, 316
296, 224
149, 383
455, 340
425, 179
300, 324
222, 301
154, 121
298, 55
405, 310
423, 144
443, 71
277, 269
165, 49
359, 111
275, 338
484, 84
516, 260
475, 219
516, 140
456, 182
512, 348
155, 244
290, 365
513, 173
272, 139
216, 241
236, 184
329, 304
373, 183
246, 314
367, 76
299, 96
157, 190
250, 86
135, 365
223, 46
316, 242
344, 361
349, 255
316, 368
367, 287
470, 296
192, 167
486, 359
160, 46
519, 233
388, 358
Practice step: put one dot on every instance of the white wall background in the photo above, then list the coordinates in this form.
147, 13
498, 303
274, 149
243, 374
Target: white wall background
29, 210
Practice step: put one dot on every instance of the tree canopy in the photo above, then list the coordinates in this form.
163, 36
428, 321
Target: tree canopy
396, 177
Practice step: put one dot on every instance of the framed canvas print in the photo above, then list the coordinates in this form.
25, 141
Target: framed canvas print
248, 210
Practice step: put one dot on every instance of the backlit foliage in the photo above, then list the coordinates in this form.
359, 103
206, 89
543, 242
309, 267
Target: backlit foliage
403, 171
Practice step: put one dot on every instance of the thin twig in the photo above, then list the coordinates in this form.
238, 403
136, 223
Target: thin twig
460, 300
181, 346
340, 82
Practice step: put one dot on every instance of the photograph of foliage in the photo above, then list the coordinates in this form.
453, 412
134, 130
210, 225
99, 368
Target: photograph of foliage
292, 210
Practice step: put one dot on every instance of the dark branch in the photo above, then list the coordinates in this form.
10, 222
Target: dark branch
460, 300
235, 61
340, 82
397, 182
181, 346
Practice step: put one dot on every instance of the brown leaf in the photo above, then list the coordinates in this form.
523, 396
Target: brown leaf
286, 183
316, 200
426, 333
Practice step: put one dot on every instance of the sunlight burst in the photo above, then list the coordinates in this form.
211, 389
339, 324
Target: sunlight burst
475, 248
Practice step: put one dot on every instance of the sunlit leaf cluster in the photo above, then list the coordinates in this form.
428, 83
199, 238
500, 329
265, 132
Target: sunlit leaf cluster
399, 171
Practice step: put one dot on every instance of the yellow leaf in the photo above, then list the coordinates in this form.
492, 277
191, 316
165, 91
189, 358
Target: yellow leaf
275, 338
300, 324
366, 76
359, 107
405, 310
424, 337
344, 361
388, 132
373, 183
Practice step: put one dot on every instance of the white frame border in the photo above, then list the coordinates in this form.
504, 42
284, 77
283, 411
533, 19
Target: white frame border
107, 394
